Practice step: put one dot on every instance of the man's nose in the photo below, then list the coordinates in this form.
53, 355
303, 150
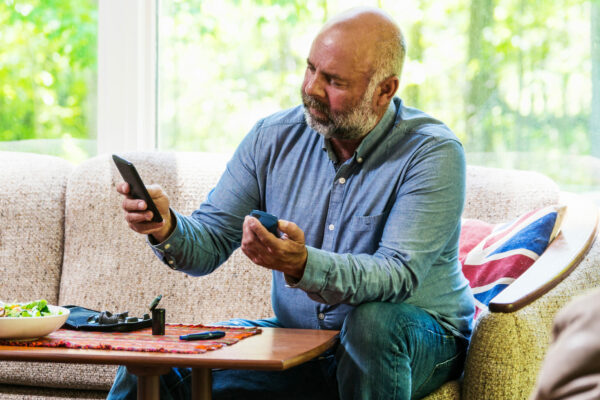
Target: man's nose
314, 86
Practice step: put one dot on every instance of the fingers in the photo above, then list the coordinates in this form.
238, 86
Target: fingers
140, 222
130, 204
283, 254
123, 188
136, 211
135, 217
291, 231
133, 210
253, 240
265, 237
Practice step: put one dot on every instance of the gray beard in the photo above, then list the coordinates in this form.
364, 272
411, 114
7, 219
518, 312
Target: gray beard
350, 125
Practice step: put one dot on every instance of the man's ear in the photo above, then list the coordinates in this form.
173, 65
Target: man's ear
387, 90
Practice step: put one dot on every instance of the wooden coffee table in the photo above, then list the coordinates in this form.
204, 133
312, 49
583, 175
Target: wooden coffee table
274, 349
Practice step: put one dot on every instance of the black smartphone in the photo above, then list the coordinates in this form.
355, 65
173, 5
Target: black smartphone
137, 189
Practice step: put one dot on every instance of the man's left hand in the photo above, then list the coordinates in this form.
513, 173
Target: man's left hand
286, 254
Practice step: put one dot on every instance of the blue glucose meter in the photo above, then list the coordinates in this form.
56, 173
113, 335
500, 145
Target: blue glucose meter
269, 221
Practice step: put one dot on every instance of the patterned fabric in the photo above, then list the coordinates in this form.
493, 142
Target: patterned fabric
141, 340
494, 255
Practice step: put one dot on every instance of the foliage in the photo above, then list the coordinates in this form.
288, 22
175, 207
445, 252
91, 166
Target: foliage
506, 75
47, 70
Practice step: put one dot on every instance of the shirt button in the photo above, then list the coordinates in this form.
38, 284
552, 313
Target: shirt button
359, 160
321, 316
342, 181
331, 227
167, 246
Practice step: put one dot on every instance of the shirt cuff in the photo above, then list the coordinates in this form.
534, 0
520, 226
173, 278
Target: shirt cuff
164, 250
316, 272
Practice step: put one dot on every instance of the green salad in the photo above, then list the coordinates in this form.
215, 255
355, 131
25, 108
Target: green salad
38, 308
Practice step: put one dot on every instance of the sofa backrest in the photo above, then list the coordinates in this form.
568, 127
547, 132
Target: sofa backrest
496, 195
107, 266
32, 203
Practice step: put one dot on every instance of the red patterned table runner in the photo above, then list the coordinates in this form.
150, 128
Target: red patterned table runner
141, 340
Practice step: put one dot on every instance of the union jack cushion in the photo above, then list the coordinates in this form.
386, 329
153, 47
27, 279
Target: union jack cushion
494, 255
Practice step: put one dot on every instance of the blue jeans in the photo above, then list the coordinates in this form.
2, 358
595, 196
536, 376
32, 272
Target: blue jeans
386, 351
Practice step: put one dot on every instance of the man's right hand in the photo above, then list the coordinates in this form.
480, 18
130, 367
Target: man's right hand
139, 218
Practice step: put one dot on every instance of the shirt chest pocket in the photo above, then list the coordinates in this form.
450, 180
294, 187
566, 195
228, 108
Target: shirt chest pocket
365, 233
367, 223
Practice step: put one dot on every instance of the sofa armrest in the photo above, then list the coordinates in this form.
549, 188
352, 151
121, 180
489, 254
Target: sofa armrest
577, 235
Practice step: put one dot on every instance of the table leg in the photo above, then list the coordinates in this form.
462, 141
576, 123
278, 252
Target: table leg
148, 387
201, 384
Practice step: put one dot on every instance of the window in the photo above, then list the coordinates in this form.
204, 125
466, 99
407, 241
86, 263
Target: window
48, 77
514, 79
517, 80
224, 64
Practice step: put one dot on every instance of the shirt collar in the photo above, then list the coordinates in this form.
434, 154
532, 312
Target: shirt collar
372, 139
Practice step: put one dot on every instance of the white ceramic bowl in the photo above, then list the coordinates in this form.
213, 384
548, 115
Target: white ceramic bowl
32, 327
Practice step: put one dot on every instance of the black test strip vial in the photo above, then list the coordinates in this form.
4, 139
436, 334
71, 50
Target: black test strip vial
158, 321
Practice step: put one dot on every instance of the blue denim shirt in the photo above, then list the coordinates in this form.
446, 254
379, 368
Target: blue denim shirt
382, 226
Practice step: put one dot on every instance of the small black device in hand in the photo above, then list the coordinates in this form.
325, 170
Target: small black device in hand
269, 221
137, 189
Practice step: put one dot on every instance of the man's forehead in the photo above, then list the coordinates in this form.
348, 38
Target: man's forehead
338, 50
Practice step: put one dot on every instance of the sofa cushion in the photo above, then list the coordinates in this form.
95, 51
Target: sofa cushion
494, 255
57, 375
32, 220
32, 203
13, 392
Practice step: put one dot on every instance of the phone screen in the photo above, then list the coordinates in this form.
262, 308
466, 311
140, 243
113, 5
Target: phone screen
137, 189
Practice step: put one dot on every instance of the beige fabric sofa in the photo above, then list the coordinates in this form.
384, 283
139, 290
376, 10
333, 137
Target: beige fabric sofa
63, 238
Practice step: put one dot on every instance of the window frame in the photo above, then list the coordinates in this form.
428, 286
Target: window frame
127, 76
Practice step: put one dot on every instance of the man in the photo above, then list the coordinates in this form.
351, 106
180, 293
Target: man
370, 194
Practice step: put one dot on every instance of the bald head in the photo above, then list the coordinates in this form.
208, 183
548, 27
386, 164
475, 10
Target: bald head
352, 73
374, 35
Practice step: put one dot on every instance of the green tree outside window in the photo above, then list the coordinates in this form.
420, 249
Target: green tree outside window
48, 77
